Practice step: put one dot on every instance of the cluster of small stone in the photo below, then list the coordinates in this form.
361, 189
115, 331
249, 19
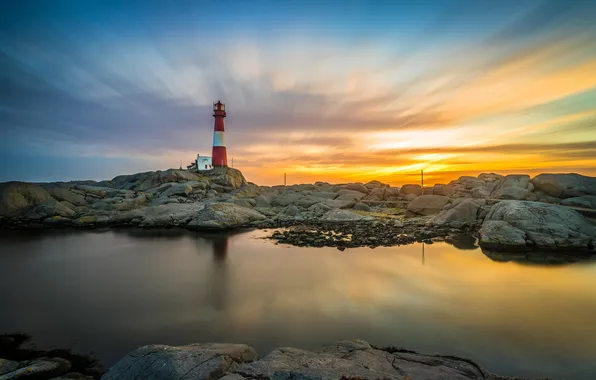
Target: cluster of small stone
361, 234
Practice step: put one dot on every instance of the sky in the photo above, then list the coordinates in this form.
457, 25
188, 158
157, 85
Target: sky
336, 91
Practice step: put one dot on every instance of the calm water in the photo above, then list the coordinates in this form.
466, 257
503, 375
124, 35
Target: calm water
113, 291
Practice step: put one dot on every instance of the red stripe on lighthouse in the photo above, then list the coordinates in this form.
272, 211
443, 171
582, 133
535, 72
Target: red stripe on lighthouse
219, 156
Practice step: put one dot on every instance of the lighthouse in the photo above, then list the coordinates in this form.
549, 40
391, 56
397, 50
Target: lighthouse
219, 156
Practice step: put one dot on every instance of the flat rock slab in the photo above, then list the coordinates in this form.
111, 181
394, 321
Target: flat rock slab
345, 360
196, 361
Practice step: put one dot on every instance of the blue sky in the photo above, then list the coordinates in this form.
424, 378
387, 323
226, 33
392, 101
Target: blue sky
336, 90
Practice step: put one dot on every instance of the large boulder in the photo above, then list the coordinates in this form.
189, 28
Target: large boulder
516, 193
462, 212
501, 235
585, 201
319, 209
165, 215
229, 177
362, 207
565, 185
515, 180
357, 187
427, 204
377, 194
286, 199
262, 201
514, 186
342, 216
440, 189
543, 226
410, 189
224, 216
182, 189
490, 177
338, 203
17, 198
480, 192
324, 194
374, 184
196, 361
349, 195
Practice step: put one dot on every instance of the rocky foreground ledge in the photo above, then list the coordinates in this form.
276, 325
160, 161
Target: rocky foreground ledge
344, 360
513, 212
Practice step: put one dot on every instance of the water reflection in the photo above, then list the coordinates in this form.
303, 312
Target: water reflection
544, 258
113, 291
218, 283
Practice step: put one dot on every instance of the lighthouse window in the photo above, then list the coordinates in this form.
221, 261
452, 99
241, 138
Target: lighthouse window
223, 107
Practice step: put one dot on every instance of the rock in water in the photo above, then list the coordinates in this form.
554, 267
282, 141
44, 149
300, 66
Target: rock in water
345, 360
223, 216
565, 185
541, 225
498, 234
427, 204
16, 198
196, 361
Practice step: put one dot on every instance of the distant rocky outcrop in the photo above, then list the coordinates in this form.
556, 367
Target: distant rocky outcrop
344, 360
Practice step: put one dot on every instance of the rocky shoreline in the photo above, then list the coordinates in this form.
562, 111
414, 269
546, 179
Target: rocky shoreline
344, 360
506, 213
19, 359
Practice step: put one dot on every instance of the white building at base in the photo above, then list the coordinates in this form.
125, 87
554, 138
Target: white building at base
202, 163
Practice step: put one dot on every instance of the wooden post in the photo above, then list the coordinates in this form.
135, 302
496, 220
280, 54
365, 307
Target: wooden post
422, 180
285, 179
232, 161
